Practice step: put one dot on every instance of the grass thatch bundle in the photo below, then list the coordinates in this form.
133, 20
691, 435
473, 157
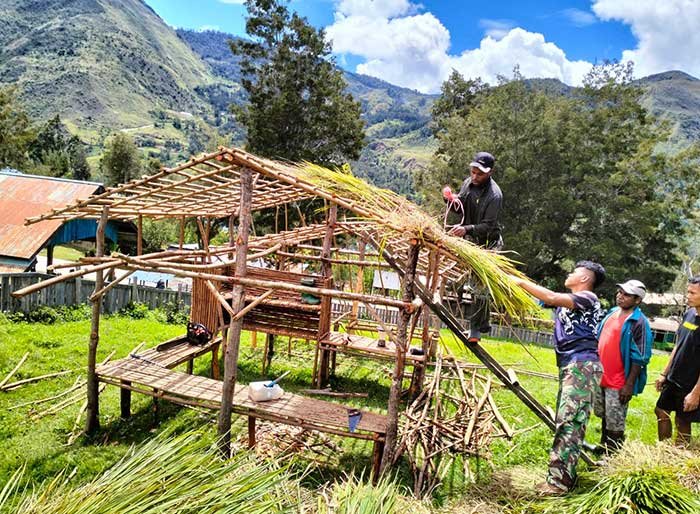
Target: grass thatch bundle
398, 214
180, 474
641, 479
355, 496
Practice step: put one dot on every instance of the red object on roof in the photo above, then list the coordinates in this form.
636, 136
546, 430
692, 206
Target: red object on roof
23, 196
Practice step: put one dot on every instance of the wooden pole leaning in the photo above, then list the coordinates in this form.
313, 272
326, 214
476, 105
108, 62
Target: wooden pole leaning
407, 295
238, 302
92, 421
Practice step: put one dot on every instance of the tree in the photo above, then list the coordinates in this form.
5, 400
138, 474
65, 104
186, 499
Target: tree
56, 153
581, 176
458, 96
120, 162
16, 132
297, 107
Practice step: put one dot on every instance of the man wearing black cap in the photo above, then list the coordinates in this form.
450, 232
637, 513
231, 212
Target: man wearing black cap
479, 202
624, 347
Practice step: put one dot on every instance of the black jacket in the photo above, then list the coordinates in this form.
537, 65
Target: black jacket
482, 207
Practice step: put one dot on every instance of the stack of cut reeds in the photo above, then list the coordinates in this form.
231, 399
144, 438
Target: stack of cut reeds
454, 415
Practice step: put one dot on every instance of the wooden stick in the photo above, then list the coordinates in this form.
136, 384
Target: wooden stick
337, 394
76, 385
14, 370
252, 305
94, 296
15, 385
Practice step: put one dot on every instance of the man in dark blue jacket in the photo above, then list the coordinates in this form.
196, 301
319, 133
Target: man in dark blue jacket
679, 383
624, 347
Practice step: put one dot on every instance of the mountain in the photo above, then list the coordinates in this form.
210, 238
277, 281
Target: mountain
108, 65
398, 138
100, 64
675, 96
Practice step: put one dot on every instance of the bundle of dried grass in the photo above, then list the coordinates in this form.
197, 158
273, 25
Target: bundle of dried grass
398, 214
640, 478
454, 415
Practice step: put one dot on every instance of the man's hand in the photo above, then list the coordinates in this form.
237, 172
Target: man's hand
447, 194
691, 401
625, 393
659, 384
458, 231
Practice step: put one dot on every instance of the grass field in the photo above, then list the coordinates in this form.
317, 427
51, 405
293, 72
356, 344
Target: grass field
42, 444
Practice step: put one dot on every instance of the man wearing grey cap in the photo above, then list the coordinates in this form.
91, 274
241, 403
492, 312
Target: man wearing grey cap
479, 203
624, 347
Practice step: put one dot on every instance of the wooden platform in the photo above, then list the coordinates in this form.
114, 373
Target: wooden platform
290, 409
366, 347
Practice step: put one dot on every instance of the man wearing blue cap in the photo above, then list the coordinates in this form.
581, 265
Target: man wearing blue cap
479, 202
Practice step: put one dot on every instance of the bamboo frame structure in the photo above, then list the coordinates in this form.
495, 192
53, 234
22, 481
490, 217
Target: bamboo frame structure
232, 184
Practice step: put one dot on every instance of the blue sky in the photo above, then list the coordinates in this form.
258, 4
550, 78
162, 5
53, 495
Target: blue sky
417, 44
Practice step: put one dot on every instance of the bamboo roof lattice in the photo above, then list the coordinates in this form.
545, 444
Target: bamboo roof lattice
209, 186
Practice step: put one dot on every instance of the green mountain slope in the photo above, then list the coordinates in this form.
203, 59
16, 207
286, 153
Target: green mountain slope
398, 137
100, 64
675, 96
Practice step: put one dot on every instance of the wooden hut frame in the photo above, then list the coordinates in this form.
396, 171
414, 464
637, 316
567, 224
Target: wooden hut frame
231, 183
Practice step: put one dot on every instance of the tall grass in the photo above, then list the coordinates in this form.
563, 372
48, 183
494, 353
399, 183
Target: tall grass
174, 474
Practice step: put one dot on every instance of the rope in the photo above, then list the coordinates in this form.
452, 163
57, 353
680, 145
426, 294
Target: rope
456, 205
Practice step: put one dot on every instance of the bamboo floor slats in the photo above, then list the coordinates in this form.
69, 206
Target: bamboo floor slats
366, 346
315, 414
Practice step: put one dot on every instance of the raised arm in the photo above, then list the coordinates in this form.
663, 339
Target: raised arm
547, 296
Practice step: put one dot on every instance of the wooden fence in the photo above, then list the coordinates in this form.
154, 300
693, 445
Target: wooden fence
75, 291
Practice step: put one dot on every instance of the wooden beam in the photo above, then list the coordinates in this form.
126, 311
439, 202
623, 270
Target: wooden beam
238, 302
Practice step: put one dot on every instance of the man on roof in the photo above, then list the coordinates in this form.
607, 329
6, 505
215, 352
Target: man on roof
679, 383
624, 346
479, 204
576, 345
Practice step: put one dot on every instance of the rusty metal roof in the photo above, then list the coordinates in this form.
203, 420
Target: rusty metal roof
23, 196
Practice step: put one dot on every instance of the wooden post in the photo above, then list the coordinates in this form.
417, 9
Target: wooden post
327, 273
92, 421
419, 368
125, 400
139, 235
237, 302
182, 232
359, 280
407, 294
49, 256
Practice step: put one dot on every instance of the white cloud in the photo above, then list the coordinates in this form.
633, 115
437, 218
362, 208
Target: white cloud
578, 17
412, 50
376, 8
666, 31
496, 29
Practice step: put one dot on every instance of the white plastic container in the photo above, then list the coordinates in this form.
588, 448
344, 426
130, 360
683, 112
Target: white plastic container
259, 392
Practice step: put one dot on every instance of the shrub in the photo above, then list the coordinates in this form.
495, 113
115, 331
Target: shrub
43, 314
134, 310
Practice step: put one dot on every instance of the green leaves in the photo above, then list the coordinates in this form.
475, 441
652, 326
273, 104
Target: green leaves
297, 108
581, 175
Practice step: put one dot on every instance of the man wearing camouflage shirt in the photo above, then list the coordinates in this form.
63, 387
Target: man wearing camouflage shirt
576, 345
